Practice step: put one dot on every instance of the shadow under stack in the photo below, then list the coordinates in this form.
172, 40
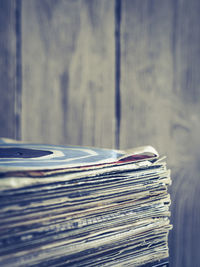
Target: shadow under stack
79, 206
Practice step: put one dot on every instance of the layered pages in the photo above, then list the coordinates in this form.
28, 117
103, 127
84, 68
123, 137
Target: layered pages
77, 206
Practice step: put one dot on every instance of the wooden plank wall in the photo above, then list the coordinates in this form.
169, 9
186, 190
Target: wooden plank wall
160, 94
110, 73
68, 72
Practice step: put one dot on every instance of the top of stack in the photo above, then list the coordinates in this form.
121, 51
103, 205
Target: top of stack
15, 155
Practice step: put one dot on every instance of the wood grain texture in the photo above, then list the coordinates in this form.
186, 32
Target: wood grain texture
7, 68
185, 238
160, 104
68, 72
146, 73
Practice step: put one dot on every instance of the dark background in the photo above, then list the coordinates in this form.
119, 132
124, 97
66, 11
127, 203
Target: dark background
110, 73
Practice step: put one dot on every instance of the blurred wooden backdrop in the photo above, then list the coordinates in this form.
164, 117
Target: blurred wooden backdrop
110, 73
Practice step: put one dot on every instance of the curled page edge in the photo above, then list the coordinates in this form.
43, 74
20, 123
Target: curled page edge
142, 151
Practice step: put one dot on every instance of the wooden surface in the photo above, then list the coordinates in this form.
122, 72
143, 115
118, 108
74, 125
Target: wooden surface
160, 104
146, 74
79, 58
8, 68
68, 72
185, 238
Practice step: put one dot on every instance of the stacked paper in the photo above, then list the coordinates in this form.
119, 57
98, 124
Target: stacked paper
75, 206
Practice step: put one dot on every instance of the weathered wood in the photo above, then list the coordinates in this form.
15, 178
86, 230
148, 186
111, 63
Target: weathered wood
185, 238
159, 104
7, 68
68, 72
146, 73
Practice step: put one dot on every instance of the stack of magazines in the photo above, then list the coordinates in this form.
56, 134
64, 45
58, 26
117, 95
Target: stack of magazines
80, 206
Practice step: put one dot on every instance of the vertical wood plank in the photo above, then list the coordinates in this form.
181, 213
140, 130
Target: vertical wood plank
7, 68
146, 73
160, 104
185, 132
68, 72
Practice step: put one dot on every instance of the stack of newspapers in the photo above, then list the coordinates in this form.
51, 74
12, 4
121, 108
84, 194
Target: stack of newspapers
80, 206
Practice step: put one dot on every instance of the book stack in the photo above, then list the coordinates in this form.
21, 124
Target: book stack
78, 206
